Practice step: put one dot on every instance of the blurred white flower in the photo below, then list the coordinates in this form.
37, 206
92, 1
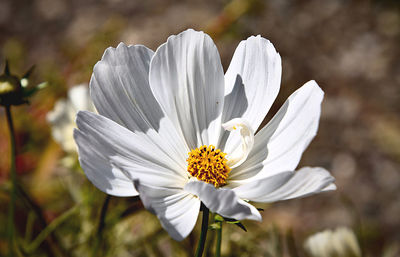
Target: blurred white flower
171, 123
341, 242
62, 117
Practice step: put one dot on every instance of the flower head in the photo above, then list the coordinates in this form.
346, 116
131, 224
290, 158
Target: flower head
182, 132
209, 165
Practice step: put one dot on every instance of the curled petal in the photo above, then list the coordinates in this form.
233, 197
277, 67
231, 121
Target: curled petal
279, 145
239, 154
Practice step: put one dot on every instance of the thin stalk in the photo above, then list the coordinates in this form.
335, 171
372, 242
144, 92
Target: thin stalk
29, 226
209, 247
203, 234
219, 239
100, 227
50, 228
53, 247
13, 174
103, 212
291, 244
16, 188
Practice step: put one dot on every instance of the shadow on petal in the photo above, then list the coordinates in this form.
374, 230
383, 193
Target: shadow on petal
235, 104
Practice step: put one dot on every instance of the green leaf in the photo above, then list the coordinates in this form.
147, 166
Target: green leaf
240, 225
27, 92
7, 68
229, 220
29, 72
219, 218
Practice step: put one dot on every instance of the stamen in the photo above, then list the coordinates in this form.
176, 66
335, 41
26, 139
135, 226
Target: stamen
208, 164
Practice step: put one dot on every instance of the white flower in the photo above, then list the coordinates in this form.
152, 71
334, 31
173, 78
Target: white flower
331, 243
62, 117
160, 113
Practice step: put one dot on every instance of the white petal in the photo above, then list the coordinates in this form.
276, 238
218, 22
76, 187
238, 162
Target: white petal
287, 185
138, 155
279, 145
186, 78
222, 201
121, 92
80, 98
62, 123
99, 171
261, 187
252, 83
120, 88
239, 155
62, 117
331, 187
177, 210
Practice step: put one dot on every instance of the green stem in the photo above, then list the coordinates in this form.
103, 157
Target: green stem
203, 235
100, 227
50, 228
29, 226
16, 188
103, 215
219, 239
13, 174
209, 251
53, 247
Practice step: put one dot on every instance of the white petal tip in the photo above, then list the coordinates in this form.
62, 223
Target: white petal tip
256, 216
314, 85
331, 187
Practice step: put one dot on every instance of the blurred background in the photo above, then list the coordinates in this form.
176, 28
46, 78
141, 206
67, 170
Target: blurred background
351, 48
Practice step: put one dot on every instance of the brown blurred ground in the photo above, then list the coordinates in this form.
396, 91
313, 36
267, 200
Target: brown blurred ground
351, 48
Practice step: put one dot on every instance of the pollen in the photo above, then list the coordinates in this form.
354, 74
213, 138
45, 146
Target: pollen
208, 164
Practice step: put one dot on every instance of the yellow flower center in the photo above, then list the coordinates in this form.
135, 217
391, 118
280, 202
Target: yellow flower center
209, 165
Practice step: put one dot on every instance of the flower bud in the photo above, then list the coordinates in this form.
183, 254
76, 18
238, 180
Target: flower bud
10, 90
14, 90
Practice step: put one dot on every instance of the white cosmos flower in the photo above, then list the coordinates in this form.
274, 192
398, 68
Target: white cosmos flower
160, 111
62, 117
331, 243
